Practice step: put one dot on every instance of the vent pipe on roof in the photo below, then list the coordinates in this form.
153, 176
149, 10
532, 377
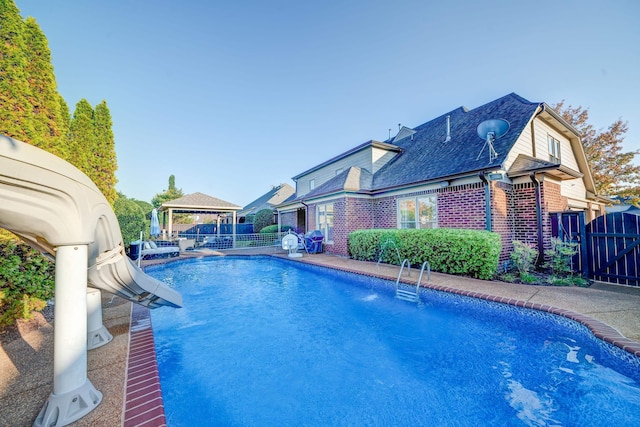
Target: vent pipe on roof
448, 138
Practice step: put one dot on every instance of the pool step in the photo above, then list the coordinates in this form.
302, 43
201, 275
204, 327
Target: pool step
411, 295
406, 295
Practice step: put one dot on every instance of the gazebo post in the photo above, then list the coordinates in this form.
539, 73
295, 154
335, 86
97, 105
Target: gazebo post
234, 229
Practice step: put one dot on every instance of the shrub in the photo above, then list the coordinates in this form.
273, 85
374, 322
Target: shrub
26, 281
269, 229
559, 256
456, 251
274, 229
131, 219
523, 256
262, 219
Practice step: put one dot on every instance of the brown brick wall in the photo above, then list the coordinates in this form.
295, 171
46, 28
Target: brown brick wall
513, 212
462, 207
289, 218
502, 216
552, 201
385, 213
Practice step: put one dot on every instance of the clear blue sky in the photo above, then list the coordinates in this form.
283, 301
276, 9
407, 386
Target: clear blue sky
232, 97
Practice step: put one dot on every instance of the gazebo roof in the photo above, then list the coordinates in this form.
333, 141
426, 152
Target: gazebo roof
199, 202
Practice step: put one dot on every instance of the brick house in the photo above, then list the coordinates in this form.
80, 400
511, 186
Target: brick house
444, 174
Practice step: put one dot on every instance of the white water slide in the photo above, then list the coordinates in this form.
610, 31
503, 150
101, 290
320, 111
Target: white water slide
57, 209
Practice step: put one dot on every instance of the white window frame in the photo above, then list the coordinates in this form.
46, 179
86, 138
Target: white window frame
418, 218
312, 184
339, 171
324, 221
554, 149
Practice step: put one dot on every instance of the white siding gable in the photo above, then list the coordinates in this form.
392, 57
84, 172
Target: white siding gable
574, 189
370, 158
361, 159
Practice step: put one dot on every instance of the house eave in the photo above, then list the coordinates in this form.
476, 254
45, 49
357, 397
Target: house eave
560, 172
194, 208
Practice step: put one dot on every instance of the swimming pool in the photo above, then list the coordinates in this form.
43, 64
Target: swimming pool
262, 341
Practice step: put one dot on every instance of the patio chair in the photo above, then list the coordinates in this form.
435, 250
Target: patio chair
151, 250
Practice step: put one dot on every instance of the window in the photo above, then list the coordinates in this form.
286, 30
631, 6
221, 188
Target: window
312, 184
339, 171
554, 149
324, 221
418, 212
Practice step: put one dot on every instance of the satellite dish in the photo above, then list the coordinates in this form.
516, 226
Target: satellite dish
490, 130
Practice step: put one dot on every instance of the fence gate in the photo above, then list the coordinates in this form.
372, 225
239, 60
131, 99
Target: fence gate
613, 248
570, 227
609, 246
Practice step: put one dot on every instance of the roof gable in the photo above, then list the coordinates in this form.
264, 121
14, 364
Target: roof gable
372, 143
403, 133
275, 196
354, 179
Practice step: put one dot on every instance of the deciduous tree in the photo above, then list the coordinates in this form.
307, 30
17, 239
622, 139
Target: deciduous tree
613, 170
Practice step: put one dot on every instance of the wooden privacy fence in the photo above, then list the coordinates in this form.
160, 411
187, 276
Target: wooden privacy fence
609, 246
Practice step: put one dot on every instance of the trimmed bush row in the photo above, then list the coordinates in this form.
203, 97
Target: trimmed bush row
471, 253
274, 229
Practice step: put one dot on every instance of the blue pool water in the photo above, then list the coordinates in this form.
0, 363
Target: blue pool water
265, 342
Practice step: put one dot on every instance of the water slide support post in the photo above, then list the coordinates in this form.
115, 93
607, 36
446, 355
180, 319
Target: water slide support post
73, 394
97, 334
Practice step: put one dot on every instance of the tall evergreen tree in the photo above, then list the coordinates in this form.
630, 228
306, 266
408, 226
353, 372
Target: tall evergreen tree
613, 171
104, 158
171, 193
64, 124
15, 111
44, 99
82, 138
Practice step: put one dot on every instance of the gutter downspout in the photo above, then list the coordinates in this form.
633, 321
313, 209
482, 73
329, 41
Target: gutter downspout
536, 185
306, 211
487, 200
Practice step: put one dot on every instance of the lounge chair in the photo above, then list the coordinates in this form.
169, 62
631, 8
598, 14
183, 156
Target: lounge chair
151, 250
186, 244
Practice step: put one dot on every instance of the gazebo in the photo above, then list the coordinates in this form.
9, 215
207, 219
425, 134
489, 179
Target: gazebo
199, 203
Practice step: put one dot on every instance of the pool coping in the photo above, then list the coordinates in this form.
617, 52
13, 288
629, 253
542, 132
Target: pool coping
143, 403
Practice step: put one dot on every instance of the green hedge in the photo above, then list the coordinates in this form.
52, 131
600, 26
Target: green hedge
26, 281
455, 251
274, 229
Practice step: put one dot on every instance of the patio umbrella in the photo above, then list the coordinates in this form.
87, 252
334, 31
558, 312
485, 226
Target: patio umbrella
154, 230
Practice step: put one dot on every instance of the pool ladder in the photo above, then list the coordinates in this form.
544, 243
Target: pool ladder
410, 295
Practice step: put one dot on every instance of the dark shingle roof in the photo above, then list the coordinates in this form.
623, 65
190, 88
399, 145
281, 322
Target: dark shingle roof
427, 157
200, 201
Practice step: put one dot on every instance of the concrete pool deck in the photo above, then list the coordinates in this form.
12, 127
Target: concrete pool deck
26, 366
